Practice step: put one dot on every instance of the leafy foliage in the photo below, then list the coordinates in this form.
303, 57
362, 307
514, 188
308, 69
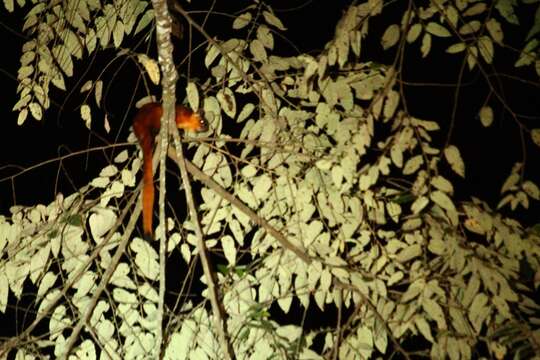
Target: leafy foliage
320, 151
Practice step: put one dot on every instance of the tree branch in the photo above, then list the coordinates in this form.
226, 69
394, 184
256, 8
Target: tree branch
207, 180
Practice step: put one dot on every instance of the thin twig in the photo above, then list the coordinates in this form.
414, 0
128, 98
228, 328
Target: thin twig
218, 309
7, 346
104, 280
207, 180
373, 308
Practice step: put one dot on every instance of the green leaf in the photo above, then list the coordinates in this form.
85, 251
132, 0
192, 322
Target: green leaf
246, 112
437, 29
470, 28
145, 20
510, 184
414, 32
441, 199
101, 221
24, 72
145, 258
472, 57
21, 118
86, 115
265, 36
423, 326
479, 311
91, 41
419, 204
442, 184
409, 253
211, 55
473, 286
437, 246
485, 46
151, 66
535, 136
456, 48
394, 210
531, 189
413, 290
73, 43
475, 9
486, 115
506, 9
413, 164
36, 110
453, 157
390, 36
434, 310
273, 20
258, 51
98, 90
495, 30
229, 249
118, 33
426, 45
9, 5
242, 21
227, 101
192, 93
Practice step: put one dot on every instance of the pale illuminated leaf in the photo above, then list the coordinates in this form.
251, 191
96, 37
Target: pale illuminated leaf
437, 29
426, 45
145, 20
409, 253
151, 67
442, 184
101, 222
414, 32
486, 115
453, 156
495, 30
441, 199
258, 51
419, 204
434, 310
229, 249
423, 326
390, 36
510, 183
531, 189
242, 20
485, 46
4, 292
479, 311
227, 101
265, 36
535, 136
21, 118
273, 20
192, 93
36, 110
456, 48
246, 112
413, 164
475, 9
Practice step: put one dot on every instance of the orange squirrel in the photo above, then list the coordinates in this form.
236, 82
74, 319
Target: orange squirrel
146, 126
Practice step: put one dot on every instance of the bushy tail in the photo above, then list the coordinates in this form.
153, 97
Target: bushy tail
148, 193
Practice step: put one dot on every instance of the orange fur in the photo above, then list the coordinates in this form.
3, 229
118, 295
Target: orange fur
146, 125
